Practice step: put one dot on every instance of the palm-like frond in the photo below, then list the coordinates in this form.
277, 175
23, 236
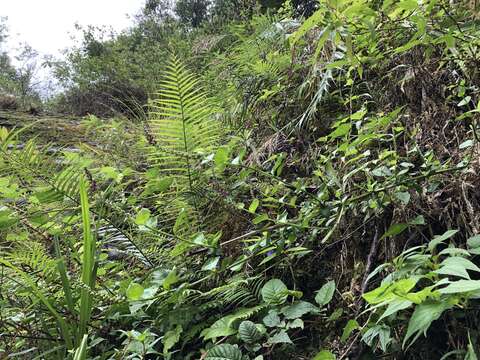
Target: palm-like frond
183, 123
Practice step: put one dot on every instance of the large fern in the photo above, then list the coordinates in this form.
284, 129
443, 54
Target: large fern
183, 123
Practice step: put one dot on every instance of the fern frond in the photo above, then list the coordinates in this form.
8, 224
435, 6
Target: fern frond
183, 123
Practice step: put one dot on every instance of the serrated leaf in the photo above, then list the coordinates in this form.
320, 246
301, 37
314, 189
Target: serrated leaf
325, 294
297, 323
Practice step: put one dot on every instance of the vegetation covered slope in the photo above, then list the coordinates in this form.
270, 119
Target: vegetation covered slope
295, 188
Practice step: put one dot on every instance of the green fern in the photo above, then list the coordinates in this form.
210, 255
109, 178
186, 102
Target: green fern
184, 126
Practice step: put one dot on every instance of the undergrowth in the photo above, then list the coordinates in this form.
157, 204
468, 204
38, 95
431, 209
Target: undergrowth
307, 190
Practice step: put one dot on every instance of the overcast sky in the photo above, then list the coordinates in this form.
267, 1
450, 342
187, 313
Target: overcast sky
46, 25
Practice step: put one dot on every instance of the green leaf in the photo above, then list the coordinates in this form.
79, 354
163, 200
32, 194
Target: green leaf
404, 197
395, 306
260, 218
224, 352
474, 244
298, 309
457, 266
391, 291
348, 329
211, 264
461, 286
134, 291
440, 239
142, 217
220, 328
382, 332
297, 323
170, 280
274, 292
394, 230
324, 355
340, 131
280, 338
272, 319
325, 294
171, 338
382, 171
221, 157
253, 206
248, 332
422, 317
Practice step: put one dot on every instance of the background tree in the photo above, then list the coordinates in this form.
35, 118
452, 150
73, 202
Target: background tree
192, 12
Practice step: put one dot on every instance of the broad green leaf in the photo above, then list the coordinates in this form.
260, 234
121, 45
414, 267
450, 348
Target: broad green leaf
390, 291
340, 131
253, 206
297, 323
382, 332
142, 217
280, 338
348, 329
394, 230
170, 280
325, 294
134, 291
260, 218
220, 328
461, 286
224, 352
422, 317
272, 319
457, 266
211, 264
404, 197
171, 338
274, 292
248, 332
298, 309
474, 244
221, 157
440, 239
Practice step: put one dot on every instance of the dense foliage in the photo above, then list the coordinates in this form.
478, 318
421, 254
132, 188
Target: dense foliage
292, 180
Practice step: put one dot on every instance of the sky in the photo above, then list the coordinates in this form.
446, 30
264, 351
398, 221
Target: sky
47, 25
